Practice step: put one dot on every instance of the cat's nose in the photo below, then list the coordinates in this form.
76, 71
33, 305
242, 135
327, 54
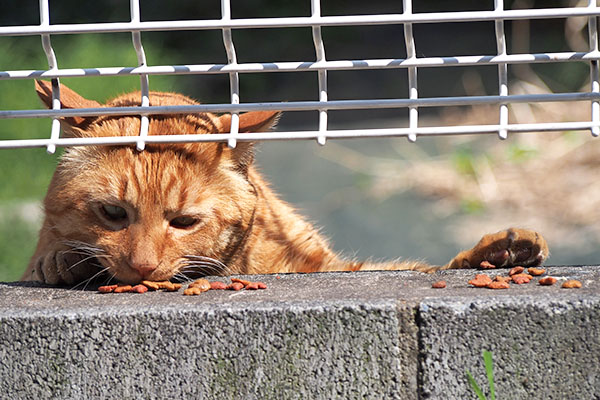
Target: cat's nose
144, 269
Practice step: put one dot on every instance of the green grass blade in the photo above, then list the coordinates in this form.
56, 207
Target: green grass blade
475, 386
489, 370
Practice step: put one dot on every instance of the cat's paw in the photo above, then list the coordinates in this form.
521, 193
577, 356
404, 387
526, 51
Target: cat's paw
506, 248
61, 265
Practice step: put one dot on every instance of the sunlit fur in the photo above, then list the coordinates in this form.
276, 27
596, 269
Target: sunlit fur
242, 226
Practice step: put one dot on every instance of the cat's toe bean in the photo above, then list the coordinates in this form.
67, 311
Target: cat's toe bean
499, 257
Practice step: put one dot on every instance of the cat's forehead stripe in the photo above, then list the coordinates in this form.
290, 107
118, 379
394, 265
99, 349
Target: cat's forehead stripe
150, 179
123, 187
170, 186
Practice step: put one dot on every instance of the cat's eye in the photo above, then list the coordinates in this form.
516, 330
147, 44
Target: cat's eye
113, 213
183, 222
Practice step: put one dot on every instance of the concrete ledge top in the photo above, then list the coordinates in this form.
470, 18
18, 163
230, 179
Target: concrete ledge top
359, 335
305, 290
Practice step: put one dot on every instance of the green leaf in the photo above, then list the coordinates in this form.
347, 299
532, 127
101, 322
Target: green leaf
475, 386
489, 370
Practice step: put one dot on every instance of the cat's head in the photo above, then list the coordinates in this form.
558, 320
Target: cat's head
152, 214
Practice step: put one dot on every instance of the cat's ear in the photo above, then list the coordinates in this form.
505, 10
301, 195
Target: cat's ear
69, 99
253, 121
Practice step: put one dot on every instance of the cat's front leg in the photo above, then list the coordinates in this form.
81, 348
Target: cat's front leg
55, 262
506, 248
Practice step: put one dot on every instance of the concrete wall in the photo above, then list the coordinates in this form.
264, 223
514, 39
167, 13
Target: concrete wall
319, 336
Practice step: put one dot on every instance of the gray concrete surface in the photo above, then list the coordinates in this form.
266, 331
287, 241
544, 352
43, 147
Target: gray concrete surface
317, 336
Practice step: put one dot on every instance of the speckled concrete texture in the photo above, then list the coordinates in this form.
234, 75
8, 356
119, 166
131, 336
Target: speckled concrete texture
317, 336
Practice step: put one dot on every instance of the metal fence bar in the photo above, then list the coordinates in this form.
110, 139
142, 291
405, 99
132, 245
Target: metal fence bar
293, 22
301, 66
320, 54
305, 105
413, 94
53, 65
593, 39
234, 79
303, 135
134, 6
502, 69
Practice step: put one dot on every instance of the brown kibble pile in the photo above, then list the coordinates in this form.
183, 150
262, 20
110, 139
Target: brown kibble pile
480, 280
439, 285
195, 288
166, 285
141, 288
236, 284
517, 276
571, 284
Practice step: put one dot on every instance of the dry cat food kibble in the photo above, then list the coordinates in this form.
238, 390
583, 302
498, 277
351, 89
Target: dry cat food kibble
480, 280
235, 286
195, 288
107, 288
486, 265
123, 289
516, 270
255, 286
139, 289
218, 285
506, 279
571, 284
439, 285
536, 271
193, 291
237, 280
202, 285
547, 281
498, 285
168, 286
517, 276
521, 278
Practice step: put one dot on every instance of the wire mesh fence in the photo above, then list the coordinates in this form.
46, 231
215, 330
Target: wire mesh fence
412, 60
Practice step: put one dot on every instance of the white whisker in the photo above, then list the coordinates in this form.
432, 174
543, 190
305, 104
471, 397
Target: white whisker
182, 278
206, 267
87, 281
208, 259
80, 261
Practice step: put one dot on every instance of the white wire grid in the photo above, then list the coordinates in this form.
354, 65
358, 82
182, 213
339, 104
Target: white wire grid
321, 66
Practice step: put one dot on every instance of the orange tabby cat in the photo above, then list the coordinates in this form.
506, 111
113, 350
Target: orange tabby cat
174, 210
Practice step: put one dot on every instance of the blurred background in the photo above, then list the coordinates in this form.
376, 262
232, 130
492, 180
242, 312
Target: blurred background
375, 198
